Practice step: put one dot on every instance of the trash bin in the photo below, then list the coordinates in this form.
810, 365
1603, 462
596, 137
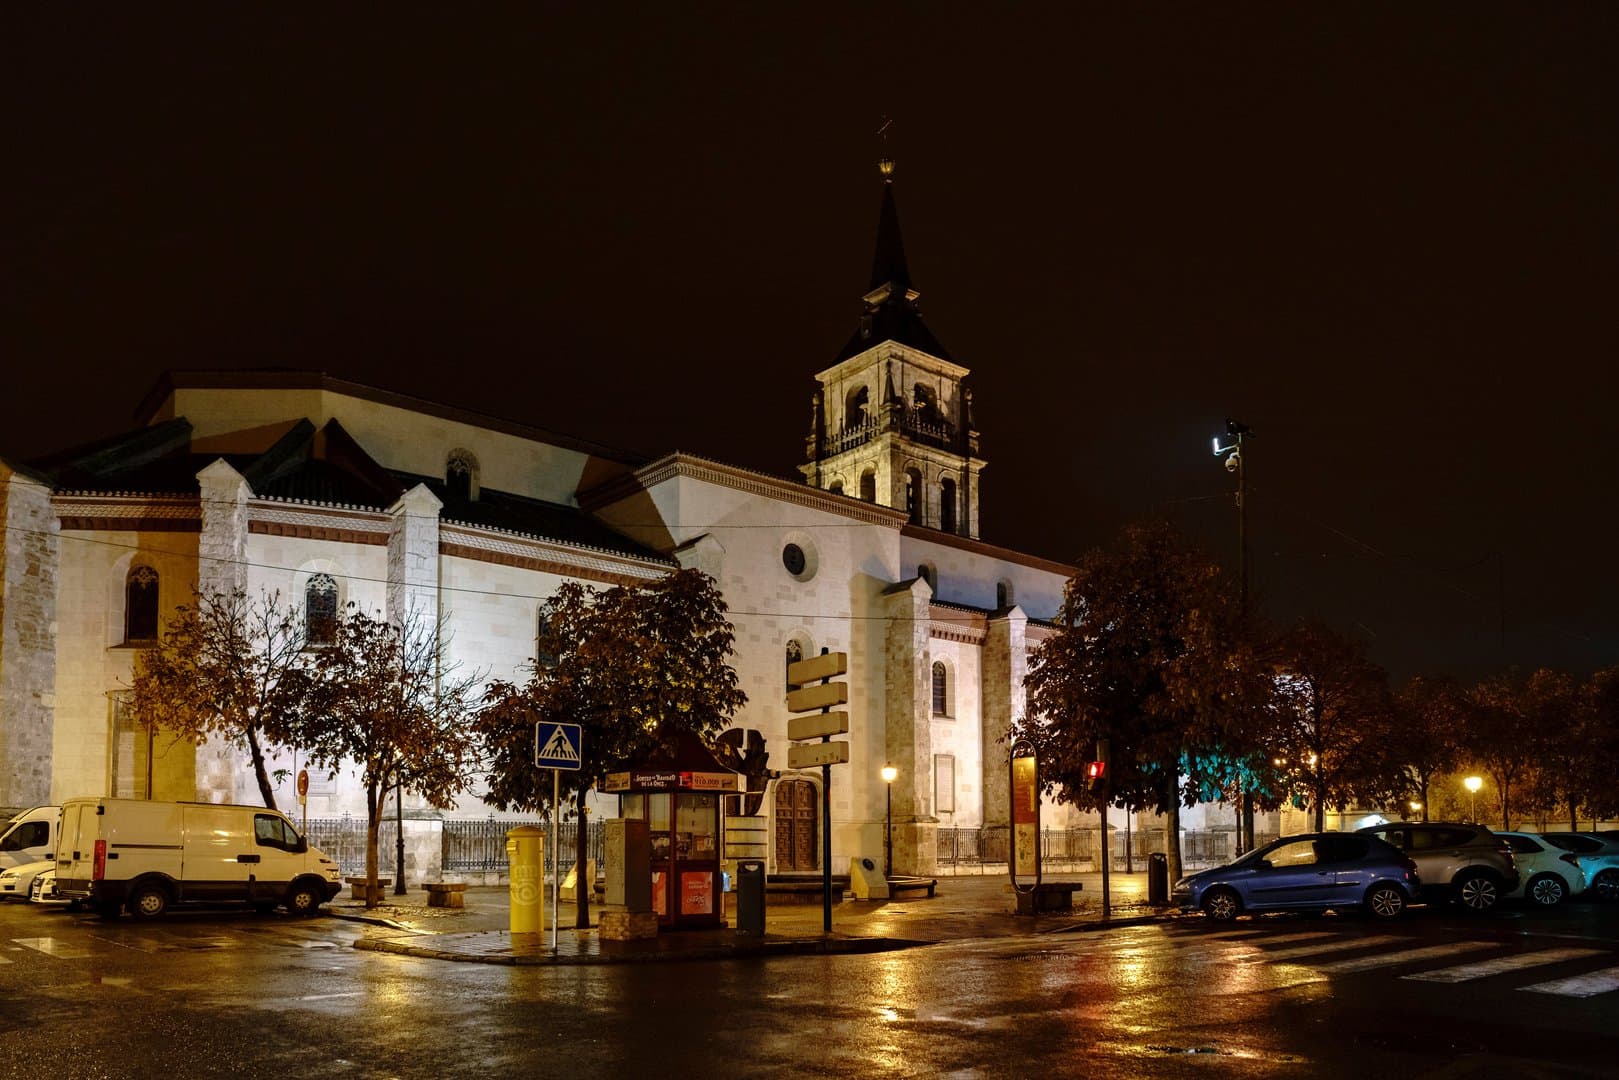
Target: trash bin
1157, 878
750, 897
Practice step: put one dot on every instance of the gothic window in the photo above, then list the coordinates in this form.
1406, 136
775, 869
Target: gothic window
913, 496
461, 475
1003, 594
320, 610
140, 604
947, 505
941, 689
868, 485
854, 410
795, 653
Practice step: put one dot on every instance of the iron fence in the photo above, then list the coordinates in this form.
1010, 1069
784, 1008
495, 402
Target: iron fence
972, 849
464, 846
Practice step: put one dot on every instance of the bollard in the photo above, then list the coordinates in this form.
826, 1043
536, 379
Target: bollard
1157, 878
525, 858
750, 897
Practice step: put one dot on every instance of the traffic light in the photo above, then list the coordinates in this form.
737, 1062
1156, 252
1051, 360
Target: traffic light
1096, 771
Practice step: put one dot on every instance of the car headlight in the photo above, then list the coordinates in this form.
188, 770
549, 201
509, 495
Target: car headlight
10, 875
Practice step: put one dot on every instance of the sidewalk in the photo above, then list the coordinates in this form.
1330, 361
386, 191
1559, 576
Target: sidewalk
962, 907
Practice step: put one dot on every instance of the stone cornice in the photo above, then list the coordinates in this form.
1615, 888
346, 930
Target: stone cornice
511, 549
128, 511
950, 623
686, 466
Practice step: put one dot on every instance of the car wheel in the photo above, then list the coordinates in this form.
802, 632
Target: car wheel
1385, 902
1222, 905
1477, 892
1606, 885
148, 902
1546, 890
304, 899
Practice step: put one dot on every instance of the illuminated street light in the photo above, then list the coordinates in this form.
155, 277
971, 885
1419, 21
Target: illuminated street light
1472, 784
1231, 451
889, 772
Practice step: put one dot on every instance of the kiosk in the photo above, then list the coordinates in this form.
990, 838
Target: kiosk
679, 794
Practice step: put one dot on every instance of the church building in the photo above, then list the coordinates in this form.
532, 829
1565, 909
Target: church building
331, 492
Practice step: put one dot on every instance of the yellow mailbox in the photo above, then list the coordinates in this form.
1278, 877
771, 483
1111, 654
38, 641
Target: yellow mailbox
525, 856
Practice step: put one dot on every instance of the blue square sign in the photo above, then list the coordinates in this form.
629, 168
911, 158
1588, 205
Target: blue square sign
558, 746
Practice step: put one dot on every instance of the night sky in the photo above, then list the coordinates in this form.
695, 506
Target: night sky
1383, 236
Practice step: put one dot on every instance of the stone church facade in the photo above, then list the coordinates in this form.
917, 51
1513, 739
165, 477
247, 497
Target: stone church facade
329, 492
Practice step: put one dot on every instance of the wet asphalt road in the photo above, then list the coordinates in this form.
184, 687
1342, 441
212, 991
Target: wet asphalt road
233, 994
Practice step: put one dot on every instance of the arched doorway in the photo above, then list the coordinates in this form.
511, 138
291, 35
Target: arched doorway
797, 815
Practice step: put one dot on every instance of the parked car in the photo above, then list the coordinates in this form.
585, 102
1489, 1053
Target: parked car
1465, 863
1547, 875
44, 891
1596, 858
1310, 872
1584, 843
29, 836
15, 880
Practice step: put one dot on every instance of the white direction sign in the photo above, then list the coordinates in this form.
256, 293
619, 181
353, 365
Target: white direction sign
558, 746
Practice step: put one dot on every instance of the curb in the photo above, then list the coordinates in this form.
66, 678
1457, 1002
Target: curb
788, 947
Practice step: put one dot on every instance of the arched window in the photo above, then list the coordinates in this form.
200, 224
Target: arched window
1003, 594
947, 505
941, 689
320, 610
836, 487
913, 495
929, 575
794, 653
140, 604
868, 485
922, 402
854, 408
461, 475
545, 654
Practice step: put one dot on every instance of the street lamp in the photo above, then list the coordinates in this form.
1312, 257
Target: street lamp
1415, 807
1472, 784
1232, 452
889, 772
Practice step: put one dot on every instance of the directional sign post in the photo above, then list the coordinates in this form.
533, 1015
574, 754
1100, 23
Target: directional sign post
810, 687
557, 747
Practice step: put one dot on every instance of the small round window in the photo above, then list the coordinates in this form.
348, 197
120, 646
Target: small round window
792, 557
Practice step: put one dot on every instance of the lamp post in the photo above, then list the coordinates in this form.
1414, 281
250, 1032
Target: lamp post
1236, 461
1472, 784
889, 772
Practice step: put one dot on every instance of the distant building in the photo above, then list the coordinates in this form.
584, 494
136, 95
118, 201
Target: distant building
332, 492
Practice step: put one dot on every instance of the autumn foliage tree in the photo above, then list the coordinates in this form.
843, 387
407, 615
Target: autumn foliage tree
230, 667
387, 700
633, 666
1150, 655
1421, 740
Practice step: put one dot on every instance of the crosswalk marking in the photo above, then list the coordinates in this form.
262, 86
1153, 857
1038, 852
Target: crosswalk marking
51, 947
1501, 964
1322, 948
3, 960
1580, 986
1405, 956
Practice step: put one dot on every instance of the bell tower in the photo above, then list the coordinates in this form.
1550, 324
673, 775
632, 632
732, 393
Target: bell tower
892, 419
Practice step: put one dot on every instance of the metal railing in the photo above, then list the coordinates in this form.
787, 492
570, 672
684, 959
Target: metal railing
480, 846
1074, 850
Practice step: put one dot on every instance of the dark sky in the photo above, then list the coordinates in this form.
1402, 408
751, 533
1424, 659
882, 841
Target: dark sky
1383, 236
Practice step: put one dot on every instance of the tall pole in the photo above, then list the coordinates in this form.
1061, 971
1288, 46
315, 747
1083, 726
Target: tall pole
399, 838
888, 838
826, 845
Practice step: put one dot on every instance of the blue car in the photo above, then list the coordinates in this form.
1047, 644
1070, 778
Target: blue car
1310, 872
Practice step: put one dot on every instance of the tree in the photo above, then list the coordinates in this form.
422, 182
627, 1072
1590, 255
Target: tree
1334, 699
1422, 739
1151, 656
1499, 739
633, 666
229, 667
390, 703
1559, 713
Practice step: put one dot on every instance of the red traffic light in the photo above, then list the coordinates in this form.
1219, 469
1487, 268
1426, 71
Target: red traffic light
1095, 770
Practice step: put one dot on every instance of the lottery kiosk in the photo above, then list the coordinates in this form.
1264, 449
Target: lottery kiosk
679, 794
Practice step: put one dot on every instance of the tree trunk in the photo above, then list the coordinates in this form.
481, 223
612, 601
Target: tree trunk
373, 824
1320, 805
584, 881
1172, 846
266, 792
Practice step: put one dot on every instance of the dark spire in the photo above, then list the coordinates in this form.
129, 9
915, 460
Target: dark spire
888, 266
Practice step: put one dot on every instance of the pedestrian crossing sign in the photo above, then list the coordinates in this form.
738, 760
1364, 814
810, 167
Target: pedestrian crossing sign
557, 746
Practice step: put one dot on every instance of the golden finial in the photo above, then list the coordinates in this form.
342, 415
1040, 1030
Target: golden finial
885, 164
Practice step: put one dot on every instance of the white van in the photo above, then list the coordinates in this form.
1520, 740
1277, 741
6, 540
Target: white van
144, 856
29, 837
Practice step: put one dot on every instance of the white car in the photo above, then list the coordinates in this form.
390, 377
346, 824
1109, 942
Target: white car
1547, 875
43, 890
15, 880
1597, 856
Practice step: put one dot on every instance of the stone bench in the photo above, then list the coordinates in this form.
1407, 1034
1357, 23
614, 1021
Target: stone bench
897, 885
1048, 896
445, 893
357, 886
